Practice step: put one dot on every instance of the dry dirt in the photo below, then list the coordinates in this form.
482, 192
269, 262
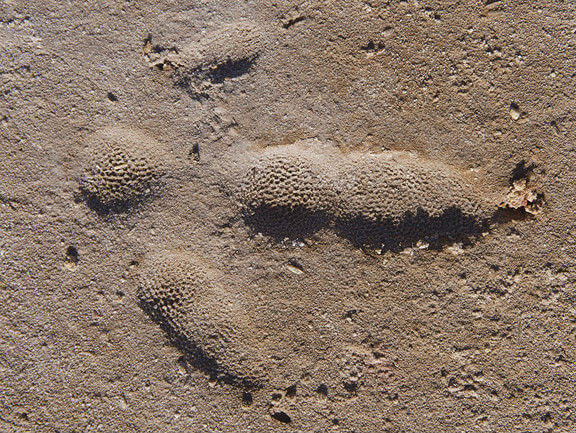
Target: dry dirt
304, 332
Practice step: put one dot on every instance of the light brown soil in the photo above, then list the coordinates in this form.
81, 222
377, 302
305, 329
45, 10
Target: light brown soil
470, 334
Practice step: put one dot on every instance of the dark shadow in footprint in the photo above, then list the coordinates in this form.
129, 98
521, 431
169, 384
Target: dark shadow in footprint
390, 235
280, 223
107, 209
231, 69
190, 80
193, 354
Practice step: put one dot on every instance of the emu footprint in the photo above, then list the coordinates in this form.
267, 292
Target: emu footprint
208, 321
396, 198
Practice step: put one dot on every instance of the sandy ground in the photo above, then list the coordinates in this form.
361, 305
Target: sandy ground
474, 335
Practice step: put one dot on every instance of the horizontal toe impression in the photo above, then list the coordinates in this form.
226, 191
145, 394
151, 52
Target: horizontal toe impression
396, 198
390, 199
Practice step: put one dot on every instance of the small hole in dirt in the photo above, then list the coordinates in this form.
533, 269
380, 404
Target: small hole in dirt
322, 389
276, 396
195, 152
112, 97
247, 398
351, 386
350, 314
282, 417
291, 391
72, 254
372, 47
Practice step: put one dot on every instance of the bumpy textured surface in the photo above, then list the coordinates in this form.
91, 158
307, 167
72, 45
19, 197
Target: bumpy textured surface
208, 322
121, 167
376, 198
287, 190
168, 286
286, 182
396, 193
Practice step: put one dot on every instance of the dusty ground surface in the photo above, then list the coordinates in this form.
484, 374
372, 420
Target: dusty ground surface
474, 336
